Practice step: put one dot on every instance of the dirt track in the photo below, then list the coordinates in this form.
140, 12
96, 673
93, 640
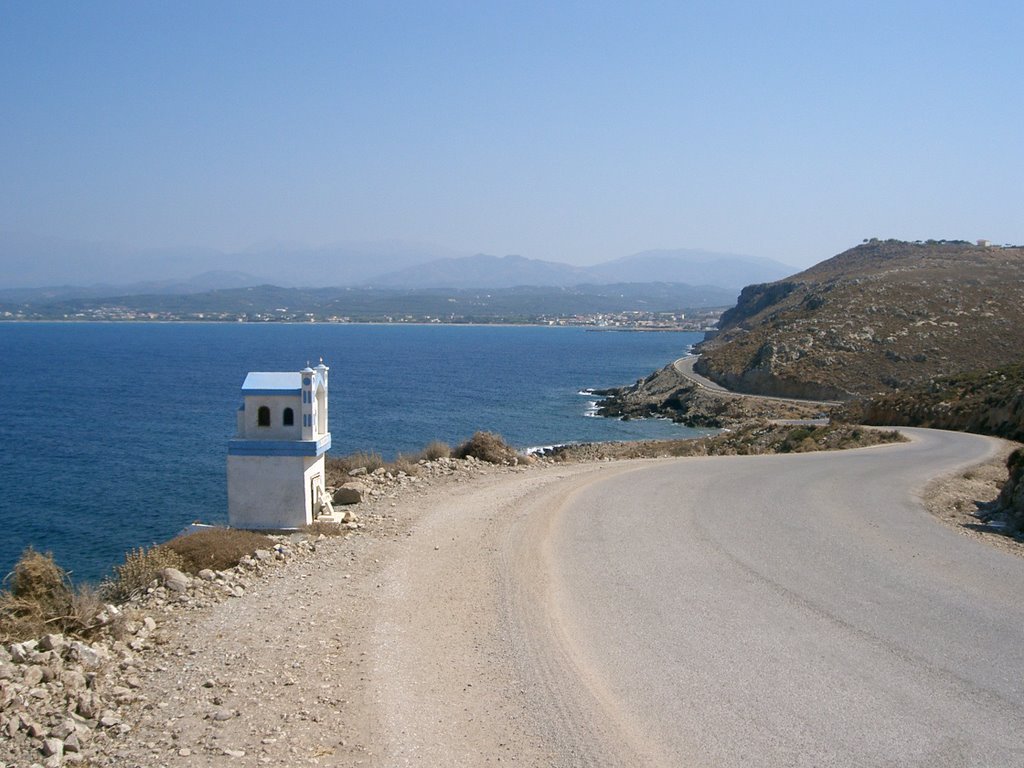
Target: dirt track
350, 657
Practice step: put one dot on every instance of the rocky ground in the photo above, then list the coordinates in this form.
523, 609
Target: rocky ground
266, 663
669, 394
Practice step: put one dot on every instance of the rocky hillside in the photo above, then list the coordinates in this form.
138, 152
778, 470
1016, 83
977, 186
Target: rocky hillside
879, 317
989, 402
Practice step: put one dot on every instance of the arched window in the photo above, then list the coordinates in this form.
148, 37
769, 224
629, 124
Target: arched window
263, 416
289, 417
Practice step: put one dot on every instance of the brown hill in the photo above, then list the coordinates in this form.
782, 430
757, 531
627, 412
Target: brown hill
877, 318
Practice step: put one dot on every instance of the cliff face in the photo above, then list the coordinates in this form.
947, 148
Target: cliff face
877, 318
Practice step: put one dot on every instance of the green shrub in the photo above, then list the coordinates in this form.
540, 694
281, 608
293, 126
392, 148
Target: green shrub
216, 548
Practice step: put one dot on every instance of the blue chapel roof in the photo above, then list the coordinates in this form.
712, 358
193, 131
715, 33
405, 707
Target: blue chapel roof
272, 382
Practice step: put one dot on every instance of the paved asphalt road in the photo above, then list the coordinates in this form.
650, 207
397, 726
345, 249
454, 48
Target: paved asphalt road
793, 611
684, 367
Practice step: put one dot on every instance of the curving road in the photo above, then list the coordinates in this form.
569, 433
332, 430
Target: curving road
785, 611
798, 610
684, 367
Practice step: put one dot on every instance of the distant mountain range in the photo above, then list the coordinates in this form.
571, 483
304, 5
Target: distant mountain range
50, 269
690, 267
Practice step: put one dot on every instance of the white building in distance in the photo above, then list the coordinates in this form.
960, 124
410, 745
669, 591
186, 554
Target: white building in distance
276, 459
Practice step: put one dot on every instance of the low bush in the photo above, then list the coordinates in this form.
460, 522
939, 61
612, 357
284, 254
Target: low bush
486, 446
405, 464
140, 567
338, 467
437, 450
216, 548
41, 600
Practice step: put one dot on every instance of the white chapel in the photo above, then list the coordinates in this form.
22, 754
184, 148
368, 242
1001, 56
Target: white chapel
276, 460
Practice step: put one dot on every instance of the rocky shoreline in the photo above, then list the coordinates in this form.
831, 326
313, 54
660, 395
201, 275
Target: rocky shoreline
667, 393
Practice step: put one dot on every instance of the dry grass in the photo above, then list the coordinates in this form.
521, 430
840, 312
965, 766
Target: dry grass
437, 450
322, 528
140, 567
339, 467
407, 464
487, 446
41, 600
216, 548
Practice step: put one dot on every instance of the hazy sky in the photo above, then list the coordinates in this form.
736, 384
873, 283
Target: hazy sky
557, 130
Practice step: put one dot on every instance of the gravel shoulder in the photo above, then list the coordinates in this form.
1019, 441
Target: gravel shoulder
954, 499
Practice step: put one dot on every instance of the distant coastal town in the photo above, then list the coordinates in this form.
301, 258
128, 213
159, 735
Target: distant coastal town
634, 320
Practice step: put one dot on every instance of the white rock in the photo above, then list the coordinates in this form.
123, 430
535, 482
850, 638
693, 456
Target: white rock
174, 580
86, 655
21, 651
53, 642
73, 680
33, 676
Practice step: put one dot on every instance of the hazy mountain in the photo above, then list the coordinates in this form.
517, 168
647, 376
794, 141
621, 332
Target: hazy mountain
483, 271
694, 267
689, 267
33, 261
207, 281
71, 268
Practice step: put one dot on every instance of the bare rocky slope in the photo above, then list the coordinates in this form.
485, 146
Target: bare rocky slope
879, 317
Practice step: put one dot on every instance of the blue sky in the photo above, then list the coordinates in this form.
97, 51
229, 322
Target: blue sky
567, 131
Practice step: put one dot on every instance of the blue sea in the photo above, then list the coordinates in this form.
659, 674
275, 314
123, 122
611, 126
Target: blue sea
114, 436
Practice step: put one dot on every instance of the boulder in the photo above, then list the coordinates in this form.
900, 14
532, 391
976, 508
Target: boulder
350, 493
174, 580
